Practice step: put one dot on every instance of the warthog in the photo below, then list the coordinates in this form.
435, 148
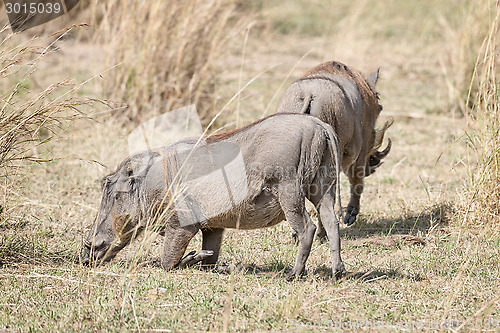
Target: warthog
250, 178
345, 99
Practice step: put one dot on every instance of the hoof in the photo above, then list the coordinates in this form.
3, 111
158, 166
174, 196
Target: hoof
338, 272
349, 219
224, 268
351, 214
322, 236
193, 258
292, 276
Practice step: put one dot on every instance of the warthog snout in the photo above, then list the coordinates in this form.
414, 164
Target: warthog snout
96, 254
376, 159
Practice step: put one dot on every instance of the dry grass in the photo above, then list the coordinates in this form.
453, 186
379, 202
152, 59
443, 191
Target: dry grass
165, 54
481, 204
462, 66
29, 118
411, 259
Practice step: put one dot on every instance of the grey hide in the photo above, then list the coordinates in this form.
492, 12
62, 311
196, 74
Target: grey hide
254, 177
345, 99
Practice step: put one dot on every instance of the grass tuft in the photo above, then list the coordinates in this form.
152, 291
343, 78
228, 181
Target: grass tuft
163, 54
481, 204
29, 119
463, 68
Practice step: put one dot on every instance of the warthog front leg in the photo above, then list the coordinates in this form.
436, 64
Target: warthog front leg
176, 241
356, 174
212, 240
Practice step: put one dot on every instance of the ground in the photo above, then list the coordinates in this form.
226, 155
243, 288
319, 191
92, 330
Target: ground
409, 261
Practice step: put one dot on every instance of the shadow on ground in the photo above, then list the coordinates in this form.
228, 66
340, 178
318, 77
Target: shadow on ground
375, 275
324, 272
413, 224
275, 269
17, 248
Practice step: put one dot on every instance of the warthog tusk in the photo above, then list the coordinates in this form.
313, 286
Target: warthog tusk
87, 243
387, 149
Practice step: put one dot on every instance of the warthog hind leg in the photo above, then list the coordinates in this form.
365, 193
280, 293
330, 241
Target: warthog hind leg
320, 233
293, 205
212, 240
331, 224
325, 206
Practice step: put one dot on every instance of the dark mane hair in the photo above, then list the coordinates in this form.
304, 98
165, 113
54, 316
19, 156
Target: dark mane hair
369, 96
328, 71
221, 136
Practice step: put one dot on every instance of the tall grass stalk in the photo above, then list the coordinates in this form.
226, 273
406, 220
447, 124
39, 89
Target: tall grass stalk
166, 52
28, 118
482, 204
464, 38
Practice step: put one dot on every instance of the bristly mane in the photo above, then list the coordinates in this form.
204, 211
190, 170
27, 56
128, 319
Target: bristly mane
332, 67
369, 96
222, 136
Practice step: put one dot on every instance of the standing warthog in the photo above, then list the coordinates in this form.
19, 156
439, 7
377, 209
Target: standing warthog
250, 178
345, 99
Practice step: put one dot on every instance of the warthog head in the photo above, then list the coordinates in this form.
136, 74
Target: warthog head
120, 211
376, 157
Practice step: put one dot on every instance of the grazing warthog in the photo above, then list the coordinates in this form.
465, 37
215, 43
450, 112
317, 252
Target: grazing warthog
345, 99
250, 178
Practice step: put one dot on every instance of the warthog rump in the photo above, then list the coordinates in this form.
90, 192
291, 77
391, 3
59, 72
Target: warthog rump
345, 99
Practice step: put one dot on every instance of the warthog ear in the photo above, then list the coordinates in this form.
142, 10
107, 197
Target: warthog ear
373, 78
138, 165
